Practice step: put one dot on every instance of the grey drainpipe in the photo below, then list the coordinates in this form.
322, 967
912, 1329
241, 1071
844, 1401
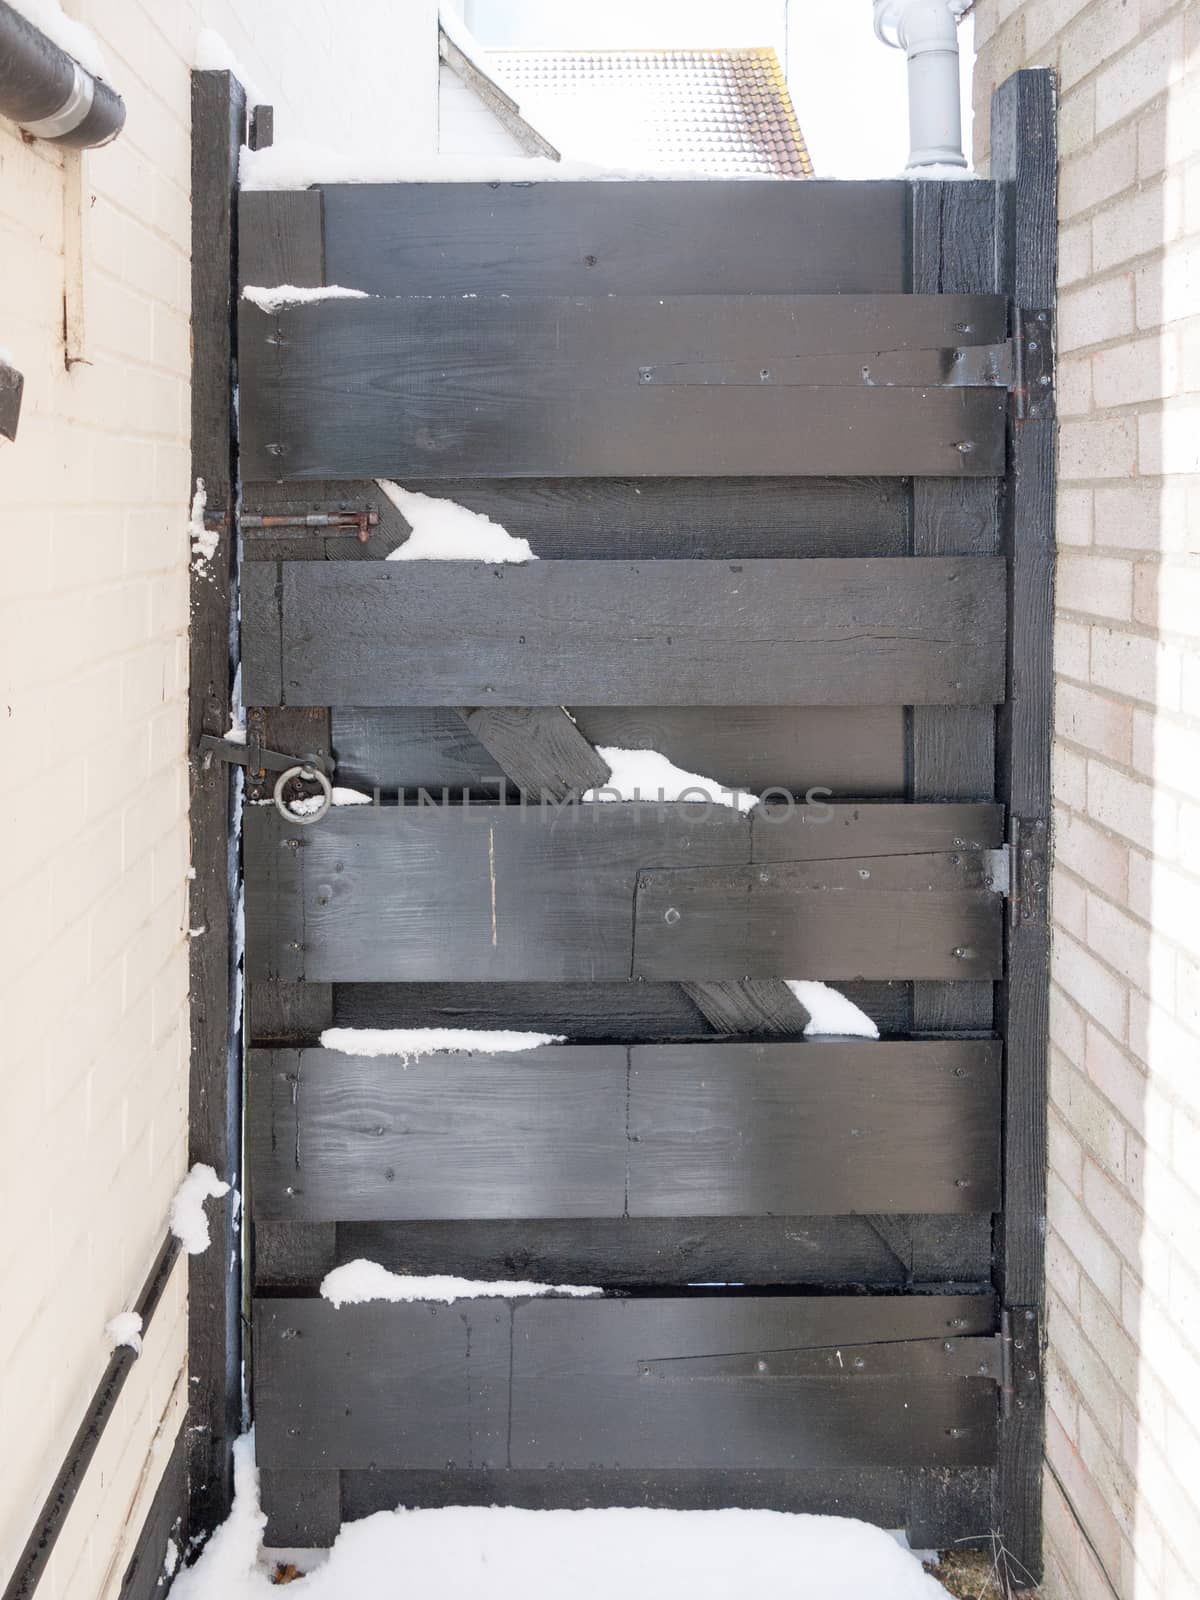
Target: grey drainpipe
48, 93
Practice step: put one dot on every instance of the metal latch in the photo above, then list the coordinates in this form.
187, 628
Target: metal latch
333, 524
253, 755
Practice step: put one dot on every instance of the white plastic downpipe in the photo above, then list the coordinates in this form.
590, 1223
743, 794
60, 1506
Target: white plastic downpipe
928, 31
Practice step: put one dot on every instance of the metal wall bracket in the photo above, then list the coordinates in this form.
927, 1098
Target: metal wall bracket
1032, 382
253, 756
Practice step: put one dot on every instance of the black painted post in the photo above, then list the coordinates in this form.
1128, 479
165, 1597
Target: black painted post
214, 1287
1024, 166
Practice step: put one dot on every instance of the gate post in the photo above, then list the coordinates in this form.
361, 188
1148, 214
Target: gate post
1024, 168
214, 1087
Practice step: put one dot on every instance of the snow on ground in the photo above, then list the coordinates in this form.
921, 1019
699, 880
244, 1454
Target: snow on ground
298, 164
66, 33
188, 1222
442, 530
125, 1329
829, 1011
275, 296
360, 1281
648, 775
413, 1043
312, 803
503, 1553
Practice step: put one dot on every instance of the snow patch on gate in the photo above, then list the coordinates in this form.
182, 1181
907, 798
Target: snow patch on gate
361, 1281
442, 530
413, 1043
830, 1011
649, 775
275, 297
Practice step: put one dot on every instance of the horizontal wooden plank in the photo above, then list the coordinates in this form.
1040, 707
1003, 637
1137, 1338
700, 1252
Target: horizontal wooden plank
563, 1384
596, 1012
858, 633
679, 1131
630, 519
851, 750
658, 237
643, 1252
540, 894
538, 1133
825, 832
280, 238
498, 387
866, 917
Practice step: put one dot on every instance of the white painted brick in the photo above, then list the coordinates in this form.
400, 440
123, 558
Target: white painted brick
1137, 224
1130, 807
1097, 447
1096, 585
1096, 174
1095, 312
1137, 76
1095, 721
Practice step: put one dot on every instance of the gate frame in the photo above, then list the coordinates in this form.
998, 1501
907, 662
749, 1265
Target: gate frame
1024, 173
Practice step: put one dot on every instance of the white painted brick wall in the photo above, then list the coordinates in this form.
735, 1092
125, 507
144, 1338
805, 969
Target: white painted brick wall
94, 499
1123, 1448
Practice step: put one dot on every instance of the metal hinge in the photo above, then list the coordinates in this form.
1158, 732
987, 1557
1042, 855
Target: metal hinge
1020, 870
1021, 1359
331, 524
1032, 379
253, 755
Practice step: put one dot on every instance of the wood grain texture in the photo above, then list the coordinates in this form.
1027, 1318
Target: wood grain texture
870, 917
280, 238
538, 388
589, 238
751, 1006
501, 893
854, 751
576, 1131
218, 109
1024, 157
559, 1383
657, 1252
628, 519
869, 632
539, 749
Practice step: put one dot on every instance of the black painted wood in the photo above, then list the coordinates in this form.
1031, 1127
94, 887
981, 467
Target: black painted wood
624, 519
652, 1252
1024, 156
868, 917
539, 750
589, 238
677, 1131
557, 1383
723, 633
145, 1575
479, 893
541, 387
280, 238
853, 751
218, 106
825, 830
750, 1006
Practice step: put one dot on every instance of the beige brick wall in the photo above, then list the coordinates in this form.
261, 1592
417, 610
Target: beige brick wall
1123, 1449
94, 500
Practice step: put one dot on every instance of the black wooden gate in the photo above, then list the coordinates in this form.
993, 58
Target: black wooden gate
784, 453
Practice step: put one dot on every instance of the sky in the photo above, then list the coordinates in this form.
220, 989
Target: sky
850, 92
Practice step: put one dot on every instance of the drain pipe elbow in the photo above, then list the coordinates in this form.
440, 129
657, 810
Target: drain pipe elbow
927, 30
46, 91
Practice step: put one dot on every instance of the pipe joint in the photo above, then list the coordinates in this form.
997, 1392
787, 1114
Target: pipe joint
927, 31
47, 92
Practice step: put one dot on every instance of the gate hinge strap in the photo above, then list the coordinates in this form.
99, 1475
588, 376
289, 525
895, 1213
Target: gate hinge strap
253, 755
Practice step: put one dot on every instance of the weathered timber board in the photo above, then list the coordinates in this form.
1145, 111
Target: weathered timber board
488, 387
479, 893
870, 632
560, 1384
623, 519
854, 751
678, 1131
628, 238
865, 917
599, 1013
